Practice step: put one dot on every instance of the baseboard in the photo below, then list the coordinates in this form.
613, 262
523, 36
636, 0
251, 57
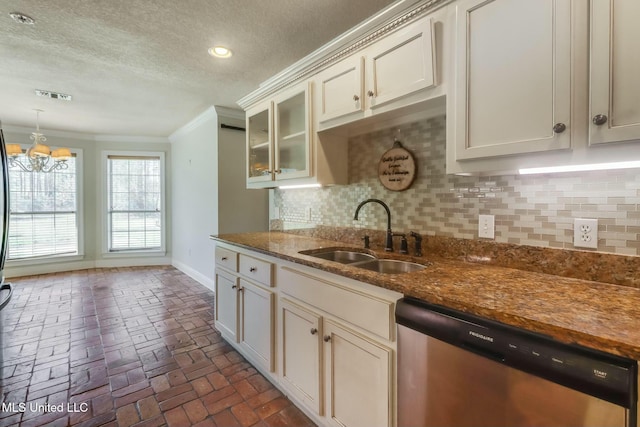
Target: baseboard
195, 275
36, 269
57, 267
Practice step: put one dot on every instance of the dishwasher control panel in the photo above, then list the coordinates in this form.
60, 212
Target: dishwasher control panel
608, 377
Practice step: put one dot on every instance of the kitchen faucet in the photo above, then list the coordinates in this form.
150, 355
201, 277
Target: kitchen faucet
389, 244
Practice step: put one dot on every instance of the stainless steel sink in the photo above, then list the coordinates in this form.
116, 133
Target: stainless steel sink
390, 266
364, 260
341, 256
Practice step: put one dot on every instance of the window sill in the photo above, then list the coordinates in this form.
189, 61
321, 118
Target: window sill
129, 254
44, 260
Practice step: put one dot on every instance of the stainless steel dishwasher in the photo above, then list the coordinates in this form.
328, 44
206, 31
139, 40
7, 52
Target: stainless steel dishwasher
455, 369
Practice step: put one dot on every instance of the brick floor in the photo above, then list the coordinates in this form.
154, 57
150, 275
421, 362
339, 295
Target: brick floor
127, 347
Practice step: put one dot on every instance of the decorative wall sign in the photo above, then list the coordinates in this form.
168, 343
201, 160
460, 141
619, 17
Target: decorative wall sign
397, 168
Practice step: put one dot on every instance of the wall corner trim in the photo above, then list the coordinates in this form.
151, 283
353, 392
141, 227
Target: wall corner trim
207, 115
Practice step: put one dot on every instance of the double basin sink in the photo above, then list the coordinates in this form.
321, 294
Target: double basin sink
364, 260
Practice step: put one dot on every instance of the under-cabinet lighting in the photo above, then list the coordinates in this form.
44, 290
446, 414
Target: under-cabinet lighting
580, 168
290, 187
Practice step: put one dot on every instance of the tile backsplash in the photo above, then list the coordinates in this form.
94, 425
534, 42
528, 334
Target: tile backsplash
535, 210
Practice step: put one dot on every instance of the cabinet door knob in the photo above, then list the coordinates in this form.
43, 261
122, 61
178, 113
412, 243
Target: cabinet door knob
278, 171
314, 331
370, 93
599, 119
327, 338
233, 287
559, 127
356, 98
252, 269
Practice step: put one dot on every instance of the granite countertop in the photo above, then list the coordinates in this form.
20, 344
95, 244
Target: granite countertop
597, 315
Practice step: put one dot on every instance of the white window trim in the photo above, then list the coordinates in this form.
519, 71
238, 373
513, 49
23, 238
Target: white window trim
105, 204
79, 218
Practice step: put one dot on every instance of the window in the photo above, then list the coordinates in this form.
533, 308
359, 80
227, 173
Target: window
135, 201
43, 219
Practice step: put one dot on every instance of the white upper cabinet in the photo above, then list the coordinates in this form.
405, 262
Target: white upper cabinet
513, 77
615, 68
260, 144
401, 63
543, 82
382, 75
279, 138
292, 134
341, 89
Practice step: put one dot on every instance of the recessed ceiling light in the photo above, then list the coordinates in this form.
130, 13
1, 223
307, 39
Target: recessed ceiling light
220, 52
22, 18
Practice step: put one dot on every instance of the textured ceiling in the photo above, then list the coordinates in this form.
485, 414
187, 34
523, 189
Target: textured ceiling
141, 68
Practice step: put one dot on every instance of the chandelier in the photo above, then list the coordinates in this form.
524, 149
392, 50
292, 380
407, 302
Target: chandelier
40, 157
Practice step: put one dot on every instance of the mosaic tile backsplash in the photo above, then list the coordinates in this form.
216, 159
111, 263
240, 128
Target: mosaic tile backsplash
535, 210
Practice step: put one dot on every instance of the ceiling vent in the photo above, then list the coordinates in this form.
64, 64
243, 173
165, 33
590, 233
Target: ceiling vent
22, 18
53, 95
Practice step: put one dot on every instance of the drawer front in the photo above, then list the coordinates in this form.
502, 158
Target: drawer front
256, 269
365, 311
226, 259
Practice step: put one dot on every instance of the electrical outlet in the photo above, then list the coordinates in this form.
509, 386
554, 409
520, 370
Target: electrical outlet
486, 226
585, 233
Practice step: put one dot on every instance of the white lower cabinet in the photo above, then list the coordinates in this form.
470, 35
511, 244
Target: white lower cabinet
337, 347
226, 314
353, 384
244, 315
300, 368
257, 322
328, 342
357, 378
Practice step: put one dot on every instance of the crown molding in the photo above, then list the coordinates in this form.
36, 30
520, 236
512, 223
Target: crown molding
130, 138
230, 113
360, 36
87, 136
208, 115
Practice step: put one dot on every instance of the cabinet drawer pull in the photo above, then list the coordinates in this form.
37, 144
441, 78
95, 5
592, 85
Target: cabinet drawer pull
253, 269
278, 171
370, 93
241, 289
314, 331
559, 127
233, 287
599, 119
356, 98
327, 338
224, 258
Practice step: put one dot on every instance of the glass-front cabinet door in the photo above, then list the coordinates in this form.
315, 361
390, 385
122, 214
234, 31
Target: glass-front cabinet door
292, 134
259, 145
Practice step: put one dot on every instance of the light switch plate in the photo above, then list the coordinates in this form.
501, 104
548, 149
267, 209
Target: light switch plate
585, 233
486, 226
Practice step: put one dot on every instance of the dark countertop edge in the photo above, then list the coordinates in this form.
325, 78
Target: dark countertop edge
560, 333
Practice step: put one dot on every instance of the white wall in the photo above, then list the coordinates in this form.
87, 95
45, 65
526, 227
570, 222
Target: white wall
195, 202
209, 190
91, 210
